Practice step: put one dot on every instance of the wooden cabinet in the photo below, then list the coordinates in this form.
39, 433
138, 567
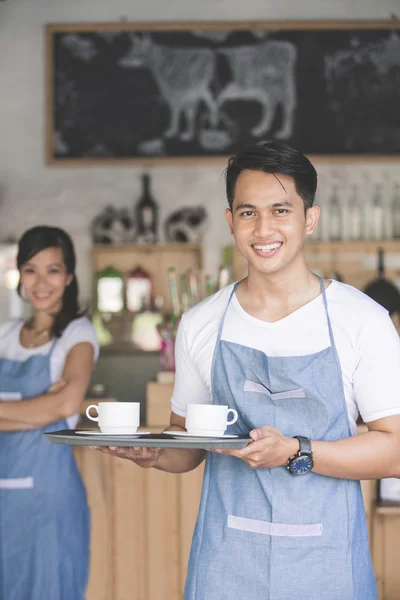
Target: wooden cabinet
155, 259
158, 403
142, 526
356, 262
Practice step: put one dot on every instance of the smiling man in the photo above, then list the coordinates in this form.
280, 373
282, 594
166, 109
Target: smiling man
299, 358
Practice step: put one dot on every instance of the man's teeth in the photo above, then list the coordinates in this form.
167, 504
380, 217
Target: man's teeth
268, 247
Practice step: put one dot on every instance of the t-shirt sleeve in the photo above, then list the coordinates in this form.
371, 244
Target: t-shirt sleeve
189, 388
377, 373
78, 331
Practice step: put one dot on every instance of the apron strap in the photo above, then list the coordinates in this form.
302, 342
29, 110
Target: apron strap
332, 340
221, 325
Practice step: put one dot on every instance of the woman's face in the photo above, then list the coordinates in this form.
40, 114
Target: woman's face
44, 279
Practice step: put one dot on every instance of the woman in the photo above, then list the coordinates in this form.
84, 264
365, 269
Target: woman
45, 368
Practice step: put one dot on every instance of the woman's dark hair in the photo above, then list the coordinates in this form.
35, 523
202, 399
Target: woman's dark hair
278, 159
40, 238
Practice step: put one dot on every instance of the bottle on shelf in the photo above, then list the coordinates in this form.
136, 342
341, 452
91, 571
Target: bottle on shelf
146, 215
354, 222
377, 215
110, 291
395, 206
335, 217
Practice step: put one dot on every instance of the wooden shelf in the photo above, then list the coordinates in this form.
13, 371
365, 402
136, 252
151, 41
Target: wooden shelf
367, 246
355, 261
156, 259
387, 510
144, 248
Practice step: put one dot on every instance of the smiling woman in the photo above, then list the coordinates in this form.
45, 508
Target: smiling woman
45, 369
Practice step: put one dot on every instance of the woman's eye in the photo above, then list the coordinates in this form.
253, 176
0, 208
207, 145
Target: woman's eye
53, 271
27, 271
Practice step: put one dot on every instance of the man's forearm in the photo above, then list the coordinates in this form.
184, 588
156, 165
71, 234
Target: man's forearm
371, 455
177, 460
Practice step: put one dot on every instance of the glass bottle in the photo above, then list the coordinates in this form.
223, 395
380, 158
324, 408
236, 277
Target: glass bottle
146, 214
396, 211
335, 218
354, 216
377, 215
110, 291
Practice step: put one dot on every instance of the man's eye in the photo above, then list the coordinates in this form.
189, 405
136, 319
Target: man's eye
247, 213
281, 211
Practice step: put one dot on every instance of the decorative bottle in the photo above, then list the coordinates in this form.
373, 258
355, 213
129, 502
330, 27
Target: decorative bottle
354, 216
377, 215
146, 214
335, 218
396, 211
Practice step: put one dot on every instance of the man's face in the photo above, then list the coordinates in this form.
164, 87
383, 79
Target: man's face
268, 221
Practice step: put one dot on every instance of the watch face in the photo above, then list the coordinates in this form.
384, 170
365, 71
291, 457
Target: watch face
301, 465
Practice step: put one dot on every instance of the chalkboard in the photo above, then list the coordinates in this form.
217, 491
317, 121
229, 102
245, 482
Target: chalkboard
118, 92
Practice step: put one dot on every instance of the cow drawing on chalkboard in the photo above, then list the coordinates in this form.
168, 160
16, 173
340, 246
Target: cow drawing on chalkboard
264, 73
183, 76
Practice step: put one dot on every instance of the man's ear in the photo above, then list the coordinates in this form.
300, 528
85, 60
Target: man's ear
312, 216
229, 219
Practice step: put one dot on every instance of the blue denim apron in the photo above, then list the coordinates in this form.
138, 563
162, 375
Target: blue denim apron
264, 534
44, 516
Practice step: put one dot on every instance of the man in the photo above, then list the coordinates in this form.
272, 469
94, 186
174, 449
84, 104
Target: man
283, 518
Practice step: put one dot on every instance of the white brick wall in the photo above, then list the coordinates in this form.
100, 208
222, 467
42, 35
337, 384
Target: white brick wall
32, 193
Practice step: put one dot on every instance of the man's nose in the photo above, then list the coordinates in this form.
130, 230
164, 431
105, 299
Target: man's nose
264, 226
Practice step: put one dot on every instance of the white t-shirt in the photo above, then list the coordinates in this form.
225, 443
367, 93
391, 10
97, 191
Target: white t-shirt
77, 331
366, 340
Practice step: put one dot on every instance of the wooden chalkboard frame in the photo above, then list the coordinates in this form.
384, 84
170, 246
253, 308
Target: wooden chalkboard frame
52, 29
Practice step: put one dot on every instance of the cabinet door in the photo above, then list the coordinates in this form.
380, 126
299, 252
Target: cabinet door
162, 537
129, 531
96, 472
189, 500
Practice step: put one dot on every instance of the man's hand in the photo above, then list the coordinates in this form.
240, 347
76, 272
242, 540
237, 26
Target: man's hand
144, 457
269, 449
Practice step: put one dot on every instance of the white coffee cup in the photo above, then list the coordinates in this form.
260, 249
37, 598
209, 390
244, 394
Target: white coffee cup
209, 419
116, 417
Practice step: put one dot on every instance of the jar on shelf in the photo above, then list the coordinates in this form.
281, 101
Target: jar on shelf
110, 291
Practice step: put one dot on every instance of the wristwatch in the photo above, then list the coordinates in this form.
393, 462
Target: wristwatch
302, 462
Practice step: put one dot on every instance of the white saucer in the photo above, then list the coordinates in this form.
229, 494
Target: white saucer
192, 435
137, 434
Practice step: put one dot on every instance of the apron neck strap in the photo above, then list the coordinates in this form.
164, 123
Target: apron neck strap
221, 325
323, 291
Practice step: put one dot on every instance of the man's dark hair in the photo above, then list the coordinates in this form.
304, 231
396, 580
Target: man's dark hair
278, 159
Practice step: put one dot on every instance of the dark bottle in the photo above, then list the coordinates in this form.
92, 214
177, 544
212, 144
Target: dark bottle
146, 215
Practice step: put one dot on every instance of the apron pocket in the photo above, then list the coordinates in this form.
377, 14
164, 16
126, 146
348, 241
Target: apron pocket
252, 386
278, 529
22, 483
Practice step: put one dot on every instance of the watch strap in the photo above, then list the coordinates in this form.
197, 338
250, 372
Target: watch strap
305, 444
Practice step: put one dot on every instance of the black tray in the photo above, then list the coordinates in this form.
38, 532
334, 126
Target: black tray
154, 440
